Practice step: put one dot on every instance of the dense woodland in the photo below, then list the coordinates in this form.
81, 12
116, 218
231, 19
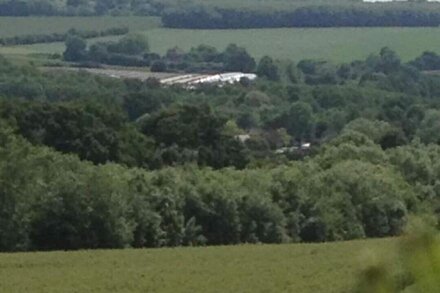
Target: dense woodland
94, 162
198, 14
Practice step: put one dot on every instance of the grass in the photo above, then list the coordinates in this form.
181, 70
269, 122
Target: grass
304, 268
15, 26
334, 44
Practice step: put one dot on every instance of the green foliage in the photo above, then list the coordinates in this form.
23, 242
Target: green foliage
237, 59
303, 14
427, 61
414, 269
378, 131
92, 132
430, 127
133, 44
196, 128
266, 68
75, 48
360, 177
300, 120
111, 206
352, 211
127, 51
133, 50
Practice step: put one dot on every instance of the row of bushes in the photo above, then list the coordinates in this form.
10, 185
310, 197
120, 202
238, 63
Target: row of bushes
133, 50
61, 37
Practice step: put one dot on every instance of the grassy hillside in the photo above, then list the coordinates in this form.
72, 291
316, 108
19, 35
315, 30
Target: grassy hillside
302, 268
336, 44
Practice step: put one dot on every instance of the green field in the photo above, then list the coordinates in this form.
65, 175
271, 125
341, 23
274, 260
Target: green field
335, 44
304, 268
16, 26
261, 4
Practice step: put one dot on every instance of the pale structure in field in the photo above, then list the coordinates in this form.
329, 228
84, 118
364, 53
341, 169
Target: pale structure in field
197, 79
187, 80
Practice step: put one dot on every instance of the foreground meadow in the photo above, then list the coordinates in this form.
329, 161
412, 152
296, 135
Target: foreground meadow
331, 267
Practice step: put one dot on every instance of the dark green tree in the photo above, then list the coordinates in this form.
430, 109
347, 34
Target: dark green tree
236, 58
300, 120
75, 49
268, 69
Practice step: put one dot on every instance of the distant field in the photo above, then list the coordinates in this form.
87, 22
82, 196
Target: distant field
14, 26
305, 268
335, 44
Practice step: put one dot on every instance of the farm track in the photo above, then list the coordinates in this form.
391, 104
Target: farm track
117, 73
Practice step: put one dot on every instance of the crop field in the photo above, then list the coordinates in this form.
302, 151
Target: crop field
316, 268
334, 44
16, 26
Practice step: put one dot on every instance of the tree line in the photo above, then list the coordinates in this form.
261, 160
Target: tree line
351, 189
133, 50
360, 15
